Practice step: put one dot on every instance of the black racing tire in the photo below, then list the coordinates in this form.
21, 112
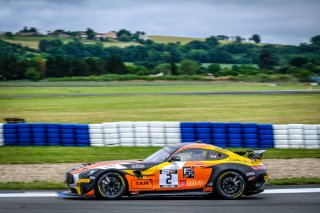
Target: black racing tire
111, 186
230, 185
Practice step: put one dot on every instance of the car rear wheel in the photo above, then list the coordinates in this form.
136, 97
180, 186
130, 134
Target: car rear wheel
230, 185
111, 185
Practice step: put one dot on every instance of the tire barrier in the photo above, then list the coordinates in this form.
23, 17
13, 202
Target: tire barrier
37, 134
157, 133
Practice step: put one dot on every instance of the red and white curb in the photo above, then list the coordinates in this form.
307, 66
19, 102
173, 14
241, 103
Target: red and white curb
56, 194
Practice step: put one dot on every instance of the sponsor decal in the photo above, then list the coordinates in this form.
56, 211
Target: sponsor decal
168, 178
195, 183
188, 172
251, 178
250, 174
108, 166
183, 183
137, 166
207, 189
142, 184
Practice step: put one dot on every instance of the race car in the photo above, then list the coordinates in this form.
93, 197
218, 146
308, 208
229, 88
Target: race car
185, 167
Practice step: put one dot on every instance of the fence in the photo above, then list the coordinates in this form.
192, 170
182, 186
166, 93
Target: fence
153, 133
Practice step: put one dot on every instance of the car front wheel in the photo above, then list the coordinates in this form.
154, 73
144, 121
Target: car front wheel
230, 185
111, 185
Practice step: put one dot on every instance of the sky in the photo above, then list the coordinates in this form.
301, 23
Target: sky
276, 21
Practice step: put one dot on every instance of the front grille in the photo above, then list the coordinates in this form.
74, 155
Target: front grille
69, 178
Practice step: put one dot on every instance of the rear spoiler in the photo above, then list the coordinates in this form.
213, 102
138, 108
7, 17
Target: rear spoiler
252, 154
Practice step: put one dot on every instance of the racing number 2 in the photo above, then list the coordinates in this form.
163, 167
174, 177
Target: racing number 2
168, 178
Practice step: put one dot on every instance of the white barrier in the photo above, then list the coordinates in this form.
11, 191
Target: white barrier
1, 135
297, 136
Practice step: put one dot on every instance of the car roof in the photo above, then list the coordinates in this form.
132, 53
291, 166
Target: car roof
192, 145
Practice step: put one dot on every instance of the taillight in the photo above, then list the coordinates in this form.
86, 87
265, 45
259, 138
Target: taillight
262, 167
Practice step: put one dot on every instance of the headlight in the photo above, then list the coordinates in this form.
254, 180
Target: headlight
87, 174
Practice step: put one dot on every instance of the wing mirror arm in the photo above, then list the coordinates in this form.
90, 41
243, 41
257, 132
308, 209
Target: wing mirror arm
175, 158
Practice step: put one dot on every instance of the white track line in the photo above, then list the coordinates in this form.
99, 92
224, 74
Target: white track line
30, 194
291, 191
55, 194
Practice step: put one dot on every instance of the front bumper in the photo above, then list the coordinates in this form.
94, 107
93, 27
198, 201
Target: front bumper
79, 186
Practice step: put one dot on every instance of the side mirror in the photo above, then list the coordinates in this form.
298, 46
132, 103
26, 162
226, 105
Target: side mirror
175, 158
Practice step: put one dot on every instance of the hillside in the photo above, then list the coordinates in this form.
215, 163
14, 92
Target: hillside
173, 39
33, 41
56, 57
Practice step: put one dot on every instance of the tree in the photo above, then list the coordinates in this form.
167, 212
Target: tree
123, 32
173, 68
298, 61
33, 30
196, 45
198, 55
212, 41
9, 34
267, 60
90, 34
95, 65
124, 38
41, 65
114, 64
238, 39
214, 68
25, 29
32, 74
189, 67
256, 38
316, 40
164, 68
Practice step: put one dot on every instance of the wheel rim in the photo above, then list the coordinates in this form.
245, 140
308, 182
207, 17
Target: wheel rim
110, 185
231, 184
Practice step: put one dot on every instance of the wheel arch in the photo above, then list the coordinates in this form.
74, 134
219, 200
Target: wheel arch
104, 171
218, 170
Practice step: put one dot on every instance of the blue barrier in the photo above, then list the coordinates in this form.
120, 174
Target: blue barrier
249, 135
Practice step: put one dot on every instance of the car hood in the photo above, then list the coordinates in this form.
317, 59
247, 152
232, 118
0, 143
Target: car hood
119, 164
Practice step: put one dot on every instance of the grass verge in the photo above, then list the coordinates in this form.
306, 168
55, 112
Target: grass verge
294, 181
37, 185
32, 185
276, 109
28, 155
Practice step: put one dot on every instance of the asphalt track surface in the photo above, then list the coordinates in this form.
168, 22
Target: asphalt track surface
261, 92
261, 203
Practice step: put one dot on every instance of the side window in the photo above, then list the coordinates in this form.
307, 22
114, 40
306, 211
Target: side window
193, 155
213, 155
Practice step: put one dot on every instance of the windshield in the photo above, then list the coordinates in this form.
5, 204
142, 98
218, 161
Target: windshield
160, 155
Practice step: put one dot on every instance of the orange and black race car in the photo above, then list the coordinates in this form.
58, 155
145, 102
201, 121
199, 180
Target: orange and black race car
185, 167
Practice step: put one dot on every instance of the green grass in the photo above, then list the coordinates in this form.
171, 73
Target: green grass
43, 185
16, 155
173, 39
32, 88
294, 181
28, 155
276, 109
33, 185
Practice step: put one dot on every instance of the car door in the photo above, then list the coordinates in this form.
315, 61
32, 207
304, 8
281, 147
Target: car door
191, 172
195, 171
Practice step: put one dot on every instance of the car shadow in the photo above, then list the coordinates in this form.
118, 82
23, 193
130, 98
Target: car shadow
159, 197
